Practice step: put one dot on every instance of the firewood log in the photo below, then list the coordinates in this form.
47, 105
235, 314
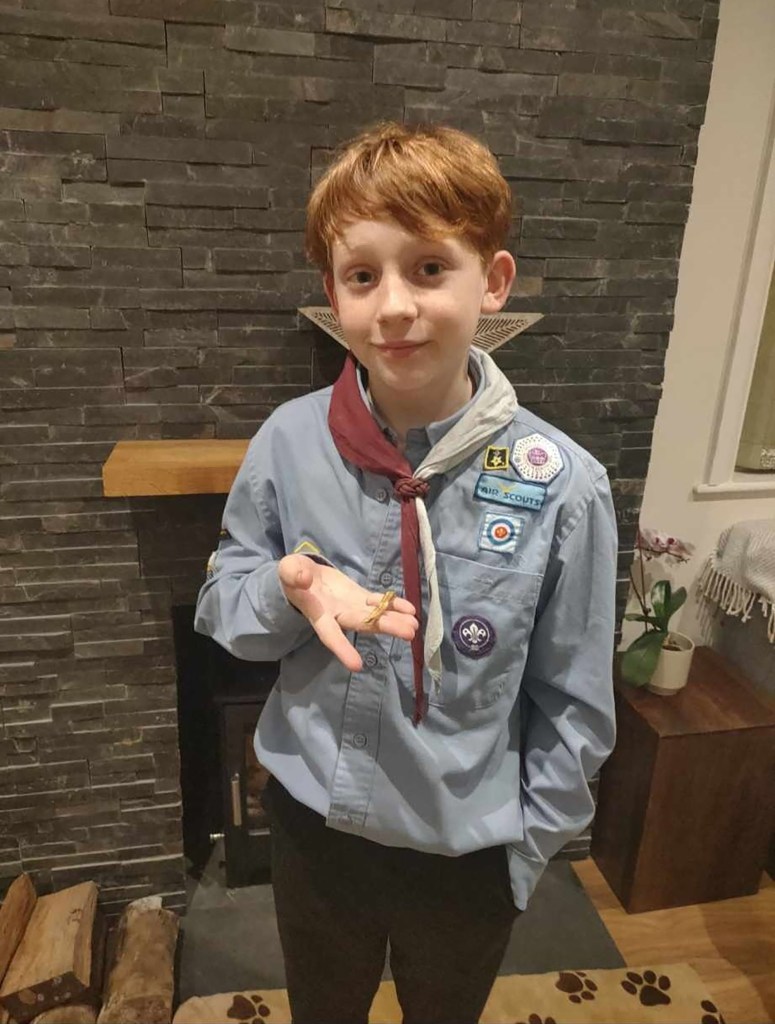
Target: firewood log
15, 913
141, 982
73, 1013
52, 964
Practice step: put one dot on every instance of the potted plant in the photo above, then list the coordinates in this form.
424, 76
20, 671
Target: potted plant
659, 658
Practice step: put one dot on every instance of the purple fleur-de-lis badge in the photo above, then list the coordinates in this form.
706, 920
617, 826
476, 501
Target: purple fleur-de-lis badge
474, 636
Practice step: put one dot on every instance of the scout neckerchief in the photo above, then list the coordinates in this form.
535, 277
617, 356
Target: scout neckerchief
359, 439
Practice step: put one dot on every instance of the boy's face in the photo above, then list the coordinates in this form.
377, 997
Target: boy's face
408, 306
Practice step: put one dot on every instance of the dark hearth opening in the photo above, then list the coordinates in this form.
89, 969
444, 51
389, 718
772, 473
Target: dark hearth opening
219, 701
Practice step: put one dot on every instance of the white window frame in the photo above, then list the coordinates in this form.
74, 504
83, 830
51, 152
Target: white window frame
720, 477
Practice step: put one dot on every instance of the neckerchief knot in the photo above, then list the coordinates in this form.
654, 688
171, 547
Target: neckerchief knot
407, 487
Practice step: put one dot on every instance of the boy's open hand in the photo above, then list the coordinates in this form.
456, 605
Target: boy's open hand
333, 603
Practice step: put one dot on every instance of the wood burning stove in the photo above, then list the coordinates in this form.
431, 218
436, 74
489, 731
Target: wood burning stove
219, 700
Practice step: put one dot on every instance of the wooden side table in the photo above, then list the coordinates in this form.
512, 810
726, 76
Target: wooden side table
686, 804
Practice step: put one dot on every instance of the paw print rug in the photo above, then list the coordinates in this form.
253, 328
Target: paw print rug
672, 994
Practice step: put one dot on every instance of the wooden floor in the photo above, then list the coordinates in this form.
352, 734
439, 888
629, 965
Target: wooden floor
730, 943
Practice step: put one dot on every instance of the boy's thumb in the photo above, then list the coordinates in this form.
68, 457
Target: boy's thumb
295, 571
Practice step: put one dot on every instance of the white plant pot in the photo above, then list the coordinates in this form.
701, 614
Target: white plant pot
672, 669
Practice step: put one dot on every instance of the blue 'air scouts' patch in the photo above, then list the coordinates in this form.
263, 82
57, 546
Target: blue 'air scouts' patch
500, 532
473, 636
536, 459
496, 458
509, 492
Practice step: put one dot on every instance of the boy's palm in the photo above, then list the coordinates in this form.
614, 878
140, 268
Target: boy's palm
333, 603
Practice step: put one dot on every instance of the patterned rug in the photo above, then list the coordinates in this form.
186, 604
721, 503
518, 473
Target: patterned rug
671, 994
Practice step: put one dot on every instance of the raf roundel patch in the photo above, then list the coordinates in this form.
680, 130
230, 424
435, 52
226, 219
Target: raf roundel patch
474, 636
500, 532
496, 458
536, 459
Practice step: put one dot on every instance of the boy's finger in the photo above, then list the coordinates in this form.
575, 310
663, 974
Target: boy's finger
398, 604
331, 635
395, 624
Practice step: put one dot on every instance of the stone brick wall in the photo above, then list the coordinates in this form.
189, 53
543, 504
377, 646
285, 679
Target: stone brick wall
156, 156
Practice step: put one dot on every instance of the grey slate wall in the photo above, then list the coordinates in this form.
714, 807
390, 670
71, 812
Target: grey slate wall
156, 156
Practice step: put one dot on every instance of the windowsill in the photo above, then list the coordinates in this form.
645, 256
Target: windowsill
740, 485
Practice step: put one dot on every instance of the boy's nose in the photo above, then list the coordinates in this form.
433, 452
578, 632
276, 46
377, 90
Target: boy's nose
396, 300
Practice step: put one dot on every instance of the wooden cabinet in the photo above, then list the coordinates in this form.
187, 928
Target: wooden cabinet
686, 803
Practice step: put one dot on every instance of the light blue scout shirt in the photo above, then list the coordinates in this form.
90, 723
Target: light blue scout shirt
524, 715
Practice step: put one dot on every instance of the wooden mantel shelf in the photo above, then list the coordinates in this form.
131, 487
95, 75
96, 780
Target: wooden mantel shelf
142, 468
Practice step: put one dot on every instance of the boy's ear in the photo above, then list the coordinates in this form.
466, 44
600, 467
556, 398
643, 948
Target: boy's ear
328, 285
500, 277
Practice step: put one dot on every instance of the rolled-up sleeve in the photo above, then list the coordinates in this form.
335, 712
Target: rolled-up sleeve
568, 719
242, 604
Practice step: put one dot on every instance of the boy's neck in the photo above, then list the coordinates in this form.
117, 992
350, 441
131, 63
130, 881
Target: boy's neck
402, 411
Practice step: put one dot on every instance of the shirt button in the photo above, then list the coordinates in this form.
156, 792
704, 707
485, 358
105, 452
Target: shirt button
359, 740
370, 659
382, 495
386, 578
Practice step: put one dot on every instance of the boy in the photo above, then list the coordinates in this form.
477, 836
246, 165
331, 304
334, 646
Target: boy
429, 752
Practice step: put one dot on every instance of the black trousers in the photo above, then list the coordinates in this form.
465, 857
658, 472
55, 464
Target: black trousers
341, 899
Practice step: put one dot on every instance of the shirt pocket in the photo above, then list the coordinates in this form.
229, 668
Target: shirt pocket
488, 615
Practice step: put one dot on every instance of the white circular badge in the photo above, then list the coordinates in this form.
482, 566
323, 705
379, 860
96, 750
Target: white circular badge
536, 458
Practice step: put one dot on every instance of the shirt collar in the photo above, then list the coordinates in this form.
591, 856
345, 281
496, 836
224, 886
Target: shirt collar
433, 431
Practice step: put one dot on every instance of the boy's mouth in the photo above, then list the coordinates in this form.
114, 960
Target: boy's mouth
401, 350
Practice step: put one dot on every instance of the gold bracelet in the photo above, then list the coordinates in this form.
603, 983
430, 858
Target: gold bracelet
384, 604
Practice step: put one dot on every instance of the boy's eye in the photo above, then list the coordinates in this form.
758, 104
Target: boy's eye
361, 277
431, 268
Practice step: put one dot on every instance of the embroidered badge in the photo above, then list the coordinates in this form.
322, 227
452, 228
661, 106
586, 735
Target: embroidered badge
496, 458
473, 636
536, 459
306, 547
509, 492
500, 532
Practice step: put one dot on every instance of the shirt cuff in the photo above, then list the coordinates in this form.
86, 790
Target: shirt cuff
524, 873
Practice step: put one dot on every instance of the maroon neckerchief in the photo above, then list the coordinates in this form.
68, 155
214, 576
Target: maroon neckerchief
359, 439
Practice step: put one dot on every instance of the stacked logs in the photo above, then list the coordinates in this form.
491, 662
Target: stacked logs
53, 953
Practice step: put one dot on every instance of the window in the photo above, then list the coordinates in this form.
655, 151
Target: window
742, 456
757, 443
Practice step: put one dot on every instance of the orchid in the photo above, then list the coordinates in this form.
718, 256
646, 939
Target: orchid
652, 543
640, 659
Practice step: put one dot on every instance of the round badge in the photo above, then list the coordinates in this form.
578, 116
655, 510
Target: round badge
473, 636
500, 531
537, 457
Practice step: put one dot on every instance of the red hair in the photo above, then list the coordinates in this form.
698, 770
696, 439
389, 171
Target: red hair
433, 180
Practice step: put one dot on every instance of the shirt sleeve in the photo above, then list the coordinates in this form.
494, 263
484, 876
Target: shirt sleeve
241, 604
568, 718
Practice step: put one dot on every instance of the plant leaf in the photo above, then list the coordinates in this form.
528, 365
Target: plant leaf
637, 617
676, 600
660, 601
640, 658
